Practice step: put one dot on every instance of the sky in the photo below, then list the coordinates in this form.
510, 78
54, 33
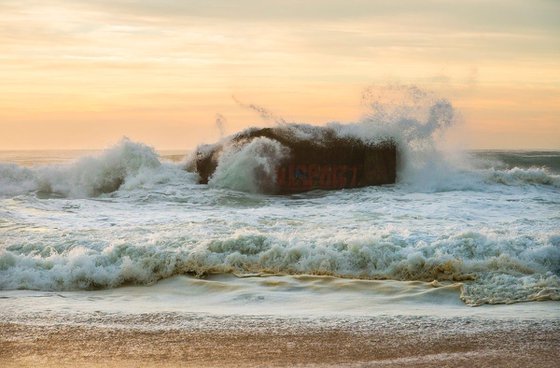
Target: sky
81, 74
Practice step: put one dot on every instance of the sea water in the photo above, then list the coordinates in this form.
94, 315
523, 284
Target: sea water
130, 230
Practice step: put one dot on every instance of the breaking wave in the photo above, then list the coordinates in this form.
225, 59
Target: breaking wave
518, 176
251, 167
126, 165
492, 270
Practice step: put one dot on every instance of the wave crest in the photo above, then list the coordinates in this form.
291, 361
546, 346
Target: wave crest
491, 270
251, 167
520, 176
89, 176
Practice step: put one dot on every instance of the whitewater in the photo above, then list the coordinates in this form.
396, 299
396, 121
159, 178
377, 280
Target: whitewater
133, 229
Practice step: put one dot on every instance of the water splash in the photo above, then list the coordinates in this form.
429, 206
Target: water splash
89, 176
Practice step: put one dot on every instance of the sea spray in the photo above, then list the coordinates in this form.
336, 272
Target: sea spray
89, 176
414, 120
251, 168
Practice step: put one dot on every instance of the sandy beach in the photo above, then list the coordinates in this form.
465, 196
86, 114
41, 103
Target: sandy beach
284, 342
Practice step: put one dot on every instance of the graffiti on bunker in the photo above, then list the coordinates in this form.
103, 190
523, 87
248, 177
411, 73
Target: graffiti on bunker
316, 176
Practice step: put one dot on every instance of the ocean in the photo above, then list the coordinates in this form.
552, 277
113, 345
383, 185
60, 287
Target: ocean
488, 234
127, 237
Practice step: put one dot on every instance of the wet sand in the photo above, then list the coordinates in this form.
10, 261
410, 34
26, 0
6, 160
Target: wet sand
261, 342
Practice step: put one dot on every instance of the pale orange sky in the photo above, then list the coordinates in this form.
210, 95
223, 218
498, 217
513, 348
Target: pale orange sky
82, 74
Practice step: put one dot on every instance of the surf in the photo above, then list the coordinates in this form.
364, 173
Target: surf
484, 222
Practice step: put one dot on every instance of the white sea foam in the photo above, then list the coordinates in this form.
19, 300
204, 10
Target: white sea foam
494, 269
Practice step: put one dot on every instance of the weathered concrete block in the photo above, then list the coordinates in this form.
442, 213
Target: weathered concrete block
318, 160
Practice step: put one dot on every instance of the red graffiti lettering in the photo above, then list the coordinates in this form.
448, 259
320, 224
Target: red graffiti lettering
298, 177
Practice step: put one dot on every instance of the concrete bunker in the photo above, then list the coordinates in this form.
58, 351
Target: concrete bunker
318, 158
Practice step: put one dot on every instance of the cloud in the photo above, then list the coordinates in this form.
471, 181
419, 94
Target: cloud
475, 15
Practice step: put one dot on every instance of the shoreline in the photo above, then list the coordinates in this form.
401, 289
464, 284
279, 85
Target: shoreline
256, 341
